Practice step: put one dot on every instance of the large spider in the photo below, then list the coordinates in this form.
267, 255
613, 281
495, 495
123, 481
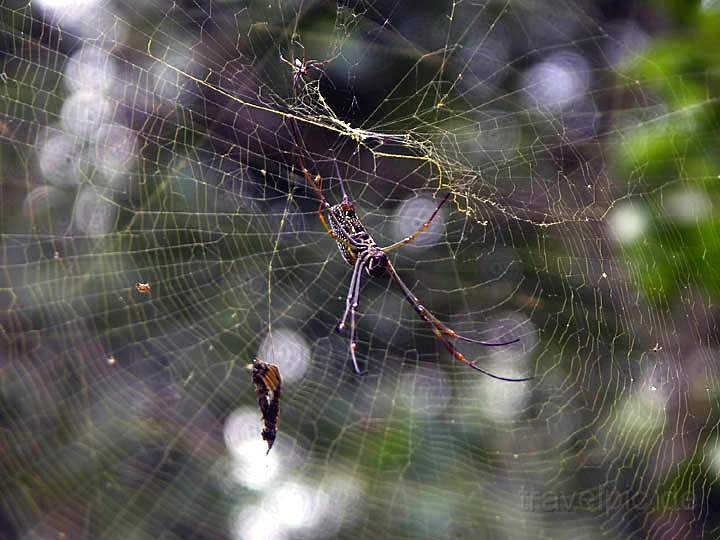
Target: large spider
360, 251
301, 68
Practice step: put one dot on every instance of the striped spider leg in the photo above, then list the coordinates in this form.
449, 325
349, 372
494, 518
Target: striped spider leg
360, 251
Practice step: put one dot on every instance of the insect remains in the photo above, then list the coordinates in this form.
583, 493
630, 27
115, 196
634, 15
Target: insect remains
143, 288
360, 251
268, 385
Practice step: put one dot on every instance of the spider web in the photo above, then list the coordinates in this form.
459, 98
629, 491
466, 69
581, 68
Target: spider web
163, 143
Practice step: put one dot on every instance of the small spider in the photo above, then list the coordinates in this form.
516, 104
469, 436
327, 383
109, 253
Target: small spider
267, 381
143, 288
360, 251
301, 68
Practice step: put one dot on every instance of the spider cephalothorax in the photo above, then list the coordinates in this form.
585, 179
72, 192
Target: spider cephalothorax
354, 241
377, 263
360, 251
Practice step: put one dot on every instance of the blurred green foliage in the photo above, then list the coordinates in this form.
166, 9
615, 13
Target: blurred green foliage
677, 151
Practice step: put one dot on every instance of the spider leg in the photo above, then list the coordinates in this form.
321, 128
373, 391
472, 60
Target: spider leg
295, 71
315, 183
441, 331
353, 326
351, 306
317, 66
453, 334
461, 358
351, 292
421, 230
432, 319
342, 182
296, 42
288, 62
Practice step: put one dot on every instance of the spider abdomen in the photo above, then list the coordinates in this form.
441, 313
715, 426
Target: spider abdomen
349, 233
